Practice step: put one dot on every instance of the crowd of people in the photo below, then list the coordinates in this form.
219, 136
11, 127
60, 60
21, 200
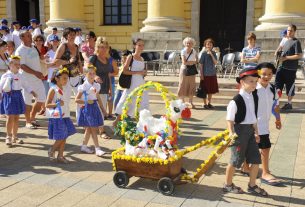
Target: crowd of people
39, 75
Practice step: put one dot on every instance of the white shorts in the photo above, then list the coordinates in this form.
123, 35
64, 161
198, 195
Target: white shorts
38, 88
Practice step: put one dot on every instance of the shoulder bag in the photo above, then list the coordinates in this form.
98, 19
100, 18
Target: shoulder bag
190, 69
125, 80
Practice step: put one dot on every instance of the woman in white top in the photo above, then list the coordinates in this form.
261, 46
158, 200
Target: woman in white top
138, 72
187, 84
3, 58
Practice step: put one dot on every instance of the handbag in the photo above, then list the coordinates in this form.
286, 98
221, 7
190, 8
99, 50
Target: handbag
125, 80
190, 69
200, 92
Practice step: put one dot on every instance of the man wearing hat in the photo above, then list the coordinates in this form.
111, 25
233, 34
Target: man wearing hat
35, 25
242, 121
16, 33
4, 22
5, 34
78, 39
54, 32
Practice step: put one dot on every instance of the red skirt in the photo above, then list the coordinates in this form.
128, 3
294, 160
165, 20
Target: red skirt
209, 84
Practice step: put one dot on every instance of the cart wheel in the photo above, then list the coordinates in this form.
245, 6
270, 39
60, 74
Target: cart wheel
121, 179
166, 186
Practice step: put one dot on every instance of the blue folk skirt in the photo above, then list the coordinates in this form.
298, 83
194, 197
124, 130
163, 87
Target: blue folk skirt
60, 129
90, 116
12, 103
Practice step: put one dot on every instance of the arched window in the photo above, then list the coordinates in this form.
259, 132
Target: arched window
117, 12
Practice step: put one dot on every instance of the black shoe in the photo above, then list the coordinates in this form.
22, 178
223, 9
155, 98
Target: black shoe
210, 106
287, 106
205, 106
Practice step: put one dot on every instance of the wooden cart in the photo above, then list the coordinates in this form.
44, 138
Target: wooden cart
166, 174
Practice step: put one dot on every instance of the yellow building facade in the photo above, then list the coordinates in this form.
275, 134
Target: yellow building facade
184, 16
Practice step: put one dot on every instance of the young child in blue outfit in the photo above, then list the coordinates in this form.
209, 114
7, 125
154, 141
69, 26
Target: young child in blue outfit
242, 120
90, 115
11, 99
58, 111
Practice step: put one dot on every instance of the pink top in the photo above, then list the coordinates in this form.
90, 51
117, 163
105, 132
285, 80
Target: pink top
88, 50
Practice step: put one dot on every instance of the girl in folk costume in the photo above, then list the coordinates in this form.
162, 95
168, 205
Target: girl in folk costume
90, 115
12, 102
60, 125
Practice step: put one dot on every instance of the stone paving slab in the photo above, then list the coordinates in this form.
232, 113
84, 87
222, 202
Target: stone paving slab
28, 179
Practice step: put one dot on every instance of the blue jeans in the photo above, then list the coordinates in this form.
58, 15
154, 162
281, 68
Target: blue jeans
117, 97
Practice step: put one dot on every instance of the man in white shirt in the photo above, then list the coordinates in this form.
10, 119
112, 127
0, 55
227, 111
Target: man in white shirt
30, 64
16, 33
36, 28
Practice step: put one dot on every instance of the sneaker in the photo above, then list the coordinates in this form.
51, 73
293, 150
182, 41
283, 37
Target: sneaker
206, 106
8, 141
287, 106
86, 149
99, 152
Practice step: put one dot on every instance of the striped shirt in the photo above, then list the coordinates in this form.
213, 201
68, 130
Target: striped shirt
250, 53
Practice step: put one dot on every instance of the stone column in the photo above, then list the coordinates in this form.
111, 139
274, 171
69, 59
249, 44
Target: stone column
279, 13
66, 13
164, 16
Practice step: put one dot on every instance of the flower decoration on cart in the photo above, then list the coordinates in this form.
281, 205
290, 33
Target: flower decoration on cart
150, 136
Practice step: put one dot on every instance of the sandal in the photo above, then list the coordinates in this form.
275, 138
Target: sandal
232, 189
51, 155
62, 160
104, 136
30, 126
272, 181
257, 191
18, 141
35, 123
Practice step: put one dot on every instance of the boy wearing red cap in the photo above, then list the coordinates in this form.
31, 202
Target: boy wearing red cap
242, 120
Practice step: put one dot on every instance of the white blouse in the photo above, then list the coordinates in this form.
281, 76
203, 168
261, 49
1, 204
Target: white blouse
192, 57
90, 89
16, 81
60, 94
